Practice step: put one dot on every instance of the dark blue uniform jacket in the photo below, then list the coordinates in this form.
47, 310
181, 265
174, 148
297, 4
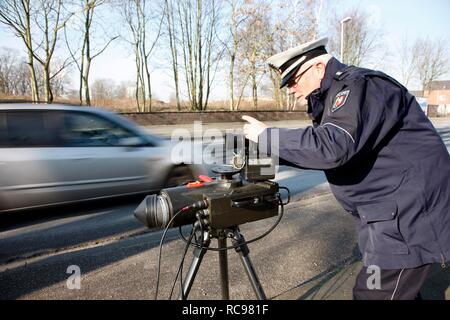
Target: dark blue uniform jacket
384, 161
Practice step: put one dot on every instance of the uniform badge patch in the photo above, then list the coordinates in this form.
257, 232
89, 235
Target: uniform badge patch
340, 100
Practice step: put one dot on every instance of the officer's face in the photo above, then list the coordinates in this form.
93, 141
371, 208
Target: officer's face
306, 80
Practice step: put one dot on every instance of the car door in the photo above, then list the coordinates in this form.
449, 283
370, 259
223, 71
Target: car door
102, 160
56, 156
29, 149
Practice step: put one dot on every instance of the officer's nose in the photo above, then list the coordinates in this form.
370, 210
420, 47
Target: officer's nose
291, 90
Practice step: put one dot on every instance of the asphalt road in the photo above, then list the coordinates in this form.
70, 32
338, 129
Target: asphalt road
312, 254
313, 237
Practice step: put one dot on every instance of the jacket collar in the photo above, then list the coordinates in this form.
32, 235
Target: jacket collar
333, 66
317, 97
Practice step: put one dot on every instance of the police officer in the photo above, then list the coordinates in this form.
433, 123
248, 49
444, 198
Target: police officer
383, 159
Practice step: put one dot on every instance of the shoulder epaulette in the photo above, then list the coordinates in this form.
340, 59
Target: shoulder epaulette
342, 74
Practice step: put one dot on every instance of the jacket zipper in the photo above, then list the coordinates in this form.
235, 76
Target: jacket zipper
443, 266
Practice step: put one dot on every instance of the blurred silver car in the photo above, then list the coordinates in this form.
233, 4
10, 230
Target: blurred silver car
58, 154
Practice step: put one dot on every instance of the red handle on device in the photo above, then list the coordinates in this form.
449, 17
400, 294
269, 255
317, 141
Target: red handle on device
205, 178
200, 182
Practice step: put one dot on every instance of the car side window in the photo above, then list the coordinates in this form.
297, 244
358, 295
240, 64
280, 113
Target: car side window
3, 130
86, 130
27, 129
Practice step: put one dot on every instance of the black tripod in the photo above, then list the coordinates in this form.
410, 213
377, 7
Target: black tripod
241, 248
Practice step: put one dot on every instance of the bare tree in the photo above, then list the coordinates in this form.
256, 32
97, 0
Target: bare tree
8, 72
139, 21
148, 45
38, 27
120, 91
171, 33
23, 85
255, 34
231, 44
432, 60
14, 74
15, 79
16, 15
197, 26
50, 19
361, 40
85, 26
296, 23
129, 13
103, 89
61, 81
408, 58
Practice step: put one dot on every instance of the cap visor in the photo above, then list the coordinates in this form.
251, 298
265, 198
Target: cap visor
288, 77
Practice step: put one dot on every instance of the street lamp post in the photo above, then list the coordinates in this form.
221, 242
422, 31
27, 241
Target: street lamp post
342, 36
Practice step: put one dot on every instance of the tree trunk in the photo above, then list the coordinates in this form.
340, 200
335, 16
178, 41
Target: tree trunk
87, 94
87, 47
47, 88
254, 84
276, 89
254, 93
33, 80
138, 77
232, 59
234, 28
149, 87
173, 50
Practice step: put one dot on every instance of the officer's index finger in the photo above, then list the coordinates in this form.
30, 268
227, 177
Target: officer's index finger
249, 119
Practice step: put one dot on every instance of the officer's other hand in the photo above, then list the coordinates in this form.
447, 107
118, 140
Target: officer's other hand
253, 128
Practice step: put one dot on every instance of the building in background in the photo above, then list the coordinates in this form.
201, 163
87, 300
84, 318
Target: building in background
439, 92
435, 101
438, 97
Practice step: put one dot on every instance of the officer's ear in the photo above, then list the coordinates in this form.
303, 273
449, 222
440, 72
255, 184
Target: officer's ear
320, 67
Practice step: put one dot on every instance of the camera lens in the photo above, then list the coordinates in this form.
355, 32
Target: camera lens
154, 211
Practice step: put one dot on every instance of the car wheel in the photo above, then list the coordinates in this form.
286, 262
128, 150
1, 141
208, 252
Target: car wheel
178, 175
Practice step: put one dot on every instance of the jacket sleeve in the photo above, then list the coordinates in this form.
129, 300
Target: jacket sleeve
371, 109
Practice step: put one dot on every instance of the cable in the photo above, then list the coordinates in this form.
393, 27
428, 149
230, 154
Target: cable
180, 268
160, 247
288, 194
196, 205
280, 215
199, 219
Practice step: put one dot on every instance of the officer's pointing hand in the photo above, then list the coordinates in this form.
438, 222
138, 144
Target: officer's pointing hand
253, 128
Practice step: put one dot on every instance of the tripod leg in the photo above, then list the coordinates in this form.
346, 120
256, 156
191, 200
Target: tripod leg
223, 263
243, 251
195, 265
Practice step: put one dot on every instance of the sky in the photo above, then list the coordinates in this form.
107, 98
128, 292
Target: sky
414, 17
396, 18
